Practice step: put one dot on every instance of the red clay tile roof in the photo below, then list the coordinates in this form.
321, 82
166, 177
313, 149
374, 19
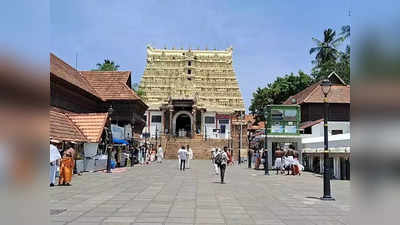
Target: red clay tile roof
62, 70
307, 124
340, 93
258, 126
111, 85
91, 124
62, 128
81, 127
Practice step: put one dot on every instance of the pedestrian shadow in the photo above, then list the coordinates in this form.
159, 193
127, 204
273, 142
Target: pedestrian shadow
312, 197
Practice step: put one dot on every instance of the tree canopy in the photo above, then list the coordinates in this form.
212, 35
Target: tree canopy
278, 91
138, 90
107, 65
328, 58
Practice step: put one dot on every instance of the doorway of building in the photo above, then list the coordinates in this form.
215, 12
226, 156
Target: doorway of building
183, 126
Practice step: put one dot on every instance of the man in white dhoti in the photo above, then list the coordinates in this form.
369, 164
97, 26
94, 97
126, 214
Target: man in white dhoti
160, 154
214, 153
179, 158
278, 164
289, 163
190, 156
54, 158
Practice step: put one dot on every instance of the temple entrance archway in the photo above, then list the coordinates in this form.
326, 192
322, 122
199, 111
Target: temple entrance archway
182, 124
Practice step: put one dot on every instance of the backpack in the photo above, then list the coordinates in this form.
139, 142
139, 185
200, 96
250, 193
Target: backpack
218, 159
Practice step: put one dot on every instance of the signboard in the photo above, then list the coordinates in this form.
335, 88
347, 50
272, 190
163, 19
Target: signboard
283, 119
222, 116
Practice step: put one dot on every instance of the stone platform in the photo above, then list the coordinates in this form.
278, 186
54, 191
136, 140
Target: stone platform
159, 194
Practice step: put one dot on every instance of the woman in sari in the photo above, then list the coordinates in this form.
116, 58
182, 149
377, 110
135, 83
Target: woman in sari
66, 169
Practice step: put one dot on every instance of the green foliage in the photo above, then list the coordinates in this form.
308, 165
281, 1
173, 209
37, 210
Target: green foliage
138, 90
278, 91
329, 58
326, 49
107, 65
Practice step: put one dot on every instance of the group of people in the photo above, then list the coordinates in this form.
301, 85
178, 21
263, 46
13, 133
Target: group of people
288, 161
184, 157
62, 160
220, 159
258, 157
146, 154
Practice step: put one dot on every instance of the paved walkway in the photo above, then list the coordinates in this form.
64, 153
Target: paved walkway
160, 194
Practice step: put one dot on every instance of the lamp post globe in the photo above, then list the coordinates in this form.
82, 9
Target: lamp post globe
326, 88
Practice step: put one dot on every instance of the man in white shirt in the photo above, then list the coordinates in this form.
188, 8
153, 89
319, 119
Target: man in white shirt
190, 156
182, 155
214, 153
54, 158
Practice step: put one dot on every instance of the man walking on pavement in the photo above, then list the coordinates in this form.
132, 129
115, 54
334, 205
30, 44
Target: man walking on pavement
54, 160
221, 160
190, 156
182, 155
249, 156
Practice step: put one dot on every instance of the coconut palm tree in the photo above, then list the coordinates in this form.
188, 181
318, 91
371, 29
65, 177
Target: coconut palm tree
108, 65
326, 49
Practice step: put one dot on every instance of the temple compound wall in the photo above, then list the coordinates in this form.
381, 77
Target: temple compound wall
193, 96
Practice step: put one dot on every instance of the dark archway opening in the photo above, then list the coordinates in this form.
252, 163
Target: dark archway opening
183, 126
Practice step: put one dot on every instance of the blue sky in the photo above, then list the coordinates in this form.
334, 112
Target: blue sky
269, 38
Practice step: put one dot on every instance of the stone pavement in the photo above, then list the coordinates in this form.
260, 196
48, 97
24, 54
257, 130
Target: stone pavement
160, 194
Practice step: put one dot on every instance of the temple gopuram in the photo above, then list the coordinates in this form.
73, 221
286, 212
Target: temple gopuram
193, 98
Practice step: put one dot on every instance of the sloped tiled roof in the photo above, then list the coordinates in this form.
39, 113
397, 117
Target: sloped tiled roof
258, 126
307, 124
91, 124
62, 70
339, 93
62, 128
81, 127
111, 85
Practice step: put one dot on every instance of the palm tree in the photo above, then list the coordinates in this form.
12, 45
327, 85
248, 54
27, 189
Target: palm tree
108, 65
345, 34
326, 49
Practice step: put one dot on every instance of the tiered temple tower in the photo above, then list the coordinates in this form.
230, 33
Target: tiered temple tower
191, 93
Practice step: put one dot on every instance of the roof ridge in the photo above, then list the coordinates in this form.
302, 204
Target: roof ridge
90, 85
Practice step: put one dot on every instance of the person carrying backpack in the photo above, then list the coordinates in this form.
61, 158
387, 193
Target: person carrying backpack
221, 160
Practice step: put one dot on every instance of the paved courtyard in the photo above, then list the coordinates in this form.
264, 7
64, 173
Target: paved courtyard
160, 194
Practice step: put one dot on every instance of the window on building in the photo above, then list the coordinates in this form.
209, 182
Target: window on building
156, 119
335, 132
209, 119
223, 121
189, 71
145, 118
189, 63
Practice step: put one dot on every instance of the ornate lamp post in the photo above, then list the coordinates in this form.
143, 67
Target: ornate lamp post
266, 116
110, 111
326, 88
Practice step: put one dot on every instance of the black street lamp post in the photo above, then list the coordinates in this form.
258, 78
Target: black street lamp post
156, 135
326, 87
266, 140
109, 133
266, 116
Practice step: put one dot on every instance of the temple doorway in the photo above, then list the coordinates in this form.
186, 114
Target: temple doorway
183, 124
